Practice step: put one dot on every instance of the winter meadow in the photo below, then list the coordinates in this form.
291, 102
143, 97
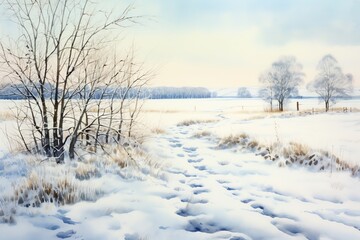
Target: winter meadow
187, 120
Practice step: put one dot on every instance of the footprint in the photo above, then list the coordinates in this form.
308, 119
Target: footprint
185, 212
240, 238
168, 196
257, 206
195, 201
195, 160
189, 149
188, 175
47, 226
66, 234
175, 171
246, 201
192, 155
222, 181
62, 211
199, 225
176, 145
196, 185
200, 191
201, 167
223, 163
230, 188
66, 219
293, 230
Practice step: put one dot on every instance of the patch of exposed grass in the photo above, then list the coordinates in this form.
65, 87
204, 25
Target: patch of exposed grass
233, 140
202, 134
59, 189
292, 153
253, 144
296, 149
193, 122
85, 171
7, 115
158, 131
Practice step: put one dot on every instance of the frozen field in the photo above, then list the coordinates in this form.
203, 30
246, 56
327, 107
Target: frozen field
203, 191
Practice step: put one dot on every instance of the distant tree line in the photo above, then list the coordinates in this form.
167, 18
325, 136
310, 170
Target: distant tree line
115, 92
181, 92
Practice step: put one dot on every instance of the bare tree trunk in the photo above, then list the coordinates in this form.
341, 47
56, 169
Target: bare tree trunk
281, 105
327, 105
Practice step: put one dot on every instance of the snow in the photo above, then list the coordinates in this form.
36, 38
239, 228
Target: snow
204, 192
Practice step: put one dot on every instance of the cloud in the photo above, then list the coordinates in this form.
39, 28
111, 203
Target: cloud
279, 21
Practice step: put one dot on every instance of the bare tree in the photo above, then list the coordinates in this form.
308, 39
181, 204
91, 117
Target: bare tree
267, 91
57, 66
281, 81
243, 92
331, 83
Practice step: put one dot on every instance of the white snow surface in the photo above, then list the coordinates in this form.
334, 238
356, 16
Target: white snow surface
204, 192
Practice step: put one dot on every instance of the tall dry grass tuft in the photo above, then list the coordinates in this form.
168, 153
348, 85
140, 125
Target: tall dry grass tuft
296, 149
40, 187
233, 140
85, 171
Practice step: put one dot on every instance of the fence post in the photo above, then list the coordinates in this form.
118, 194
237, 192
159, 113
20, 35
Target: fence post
297, 106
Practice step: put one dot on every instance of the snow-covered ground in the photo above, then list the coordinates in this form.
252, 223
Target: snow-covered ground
205, 192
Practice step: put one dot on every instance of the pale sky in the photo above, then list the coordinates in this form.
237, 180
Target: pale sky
228, 43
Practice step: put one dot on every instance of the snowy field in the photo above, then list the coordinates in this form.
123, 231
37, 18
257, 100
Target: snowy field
199, 190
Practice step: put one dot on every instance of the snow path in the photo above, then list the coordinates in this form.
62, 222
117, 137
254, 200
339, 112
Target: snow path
205, 193
241, 196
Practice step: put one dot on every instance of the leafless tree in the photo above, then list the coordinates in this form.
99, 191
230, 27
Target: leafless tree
243, 92
267, 91
331, 83
58, 65
281, 81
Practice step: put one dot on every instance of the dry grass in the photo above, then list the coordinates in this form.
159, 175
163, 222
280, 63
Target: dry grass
253, 144
193, 122
202, 134
120, 156
7, 115
135, 160
342, 165
60, 190
233, 140
274, 110
291, 153
296, 149
85, 171
158, 131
